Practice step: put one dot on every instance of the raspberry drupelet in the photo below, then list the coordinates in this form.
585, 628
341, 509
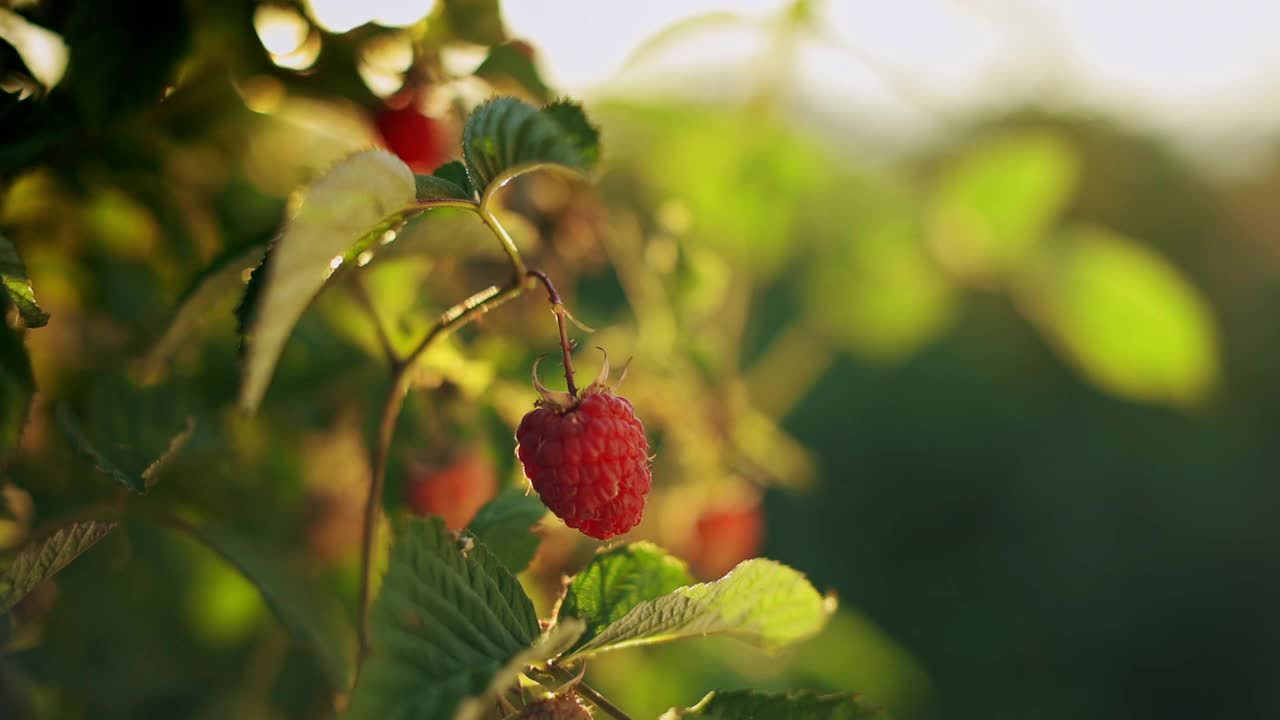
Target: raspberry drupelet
587, 457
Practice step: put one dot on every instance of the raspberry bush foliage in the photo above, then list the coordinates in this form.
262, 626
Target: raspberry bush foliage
303, 410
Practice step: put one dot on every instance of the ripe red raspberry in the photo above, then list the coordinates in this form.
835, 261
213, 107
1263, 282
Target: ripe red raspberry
587, 457
564, 707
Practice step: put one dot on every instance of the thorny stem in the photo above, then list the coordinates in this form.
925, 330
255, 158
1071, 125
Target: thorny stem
557, 307
401, 379
452, 319
601, 702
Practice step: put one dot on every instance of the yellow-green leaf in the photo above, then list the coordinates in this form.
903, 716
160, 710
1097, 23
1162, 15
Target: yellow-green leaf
760, 601
880, 295
1126, 317
995, 204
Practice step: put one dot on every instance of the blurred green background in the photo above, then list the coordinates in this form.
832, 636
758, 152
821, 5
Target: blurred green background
997, 368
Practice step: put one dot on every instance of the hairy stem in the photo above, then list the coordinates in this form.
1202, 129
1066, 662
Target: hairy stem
508, 244
451, 320
557, 307
600, 701
386, 429
401, 379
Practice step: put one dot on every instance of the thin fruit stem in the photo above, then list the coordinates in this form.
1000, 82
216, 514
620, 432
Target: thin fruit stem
557, 307
586, 691
601, 702
386, 429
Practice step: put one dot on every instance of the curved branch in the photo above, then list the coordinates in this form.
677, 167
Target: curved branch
516, 171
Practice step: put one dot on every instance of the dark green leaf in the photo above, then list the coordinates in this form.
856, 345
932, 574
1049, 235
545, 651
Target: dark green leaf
123, 54
456, 173
246, 310
475, 21
504, 525
28, 127
431, 187
342, 215
792, 705
509, 62
42, 559
129, 433
505, 133
207, 298
16, 386
619, 579
760, 601
17, 286
448, 619
573, 122
309, 614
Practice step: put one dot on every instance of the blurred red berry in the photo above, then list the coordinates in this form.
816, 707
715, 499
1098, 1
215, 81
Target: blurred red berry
455, 492
722, 538
588, 458
417, 139
523, 48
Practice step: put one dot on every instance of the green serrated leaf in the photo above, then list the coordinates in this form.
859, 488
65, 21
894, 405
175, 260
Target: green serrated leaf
505, 526
432, 187
17, 286
760, 601
448, 619
555, 641
42, 559
572, 120
792, 705
619, 579
310, 616
208, 297
247, 309
456, 173
129, 433
17, 385
505, 133
508, 62
342, 214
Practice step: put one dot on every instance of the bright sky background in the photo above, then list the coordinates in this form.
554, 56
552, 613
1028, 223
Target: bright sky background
1204, 72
